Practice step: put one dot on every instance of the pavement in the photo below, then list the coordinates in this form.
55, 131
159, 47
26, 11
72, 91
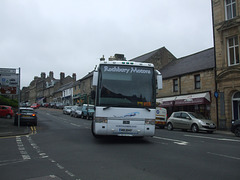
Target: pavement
7, 128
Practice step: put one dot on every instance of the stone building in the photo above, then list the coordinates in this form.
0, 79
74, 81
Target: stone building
188, 82
76, 92
160, 57
46, 89
85, 89
226, 25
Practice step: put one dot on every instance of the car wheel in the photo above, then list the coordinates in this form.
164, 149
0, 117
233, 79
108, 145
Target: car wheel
170, 126
237, 132
9, 116
194, 128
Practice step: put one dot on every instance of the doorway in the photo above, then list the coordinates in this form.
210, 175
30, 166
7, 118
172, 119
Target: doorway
236, 105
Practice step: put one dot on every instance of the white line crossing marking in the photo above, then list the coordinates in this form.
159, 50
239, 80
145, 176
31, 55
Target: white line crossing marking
22, 149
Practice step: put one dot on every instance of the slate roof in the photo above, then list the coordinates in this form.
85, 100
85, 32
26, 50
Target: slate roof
65, 86
145, 57
193, 63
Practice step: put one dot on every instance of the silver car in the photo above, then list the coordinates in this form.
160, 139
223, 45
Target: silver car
190, 121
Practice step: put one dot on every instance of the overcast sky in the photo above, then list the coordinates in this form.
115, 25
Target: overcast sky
71, 35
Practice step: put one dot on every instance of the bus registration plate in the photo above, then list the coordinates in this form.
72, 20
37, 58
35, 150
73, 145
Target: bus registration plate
125, 130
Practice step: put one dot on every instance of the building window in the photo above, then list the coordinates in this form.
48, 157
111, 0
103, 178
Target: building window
175, 85
233, 51
230, 9
197, 81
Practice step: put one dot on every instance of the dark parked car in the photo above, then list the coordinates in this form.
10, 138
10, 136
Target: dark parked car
6, 111
236, 127
87, 111
27, 116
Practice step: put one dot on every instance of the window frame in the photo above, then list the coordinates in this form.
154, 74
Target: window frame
175, 85
197, 82
235, 52
233, 8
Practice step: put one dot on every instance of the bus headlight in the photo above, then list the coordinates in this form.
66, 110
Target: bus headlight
150, 121
101, 120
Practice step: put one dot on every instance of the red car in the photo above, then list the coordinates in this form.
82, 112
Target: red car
6, 111
35, 106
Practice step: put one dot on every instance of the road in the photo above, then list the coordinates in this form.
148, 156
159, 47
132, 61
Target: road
62, 147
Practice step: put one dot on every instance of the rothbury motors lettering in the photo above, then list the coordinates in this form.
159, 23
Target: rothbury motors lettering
125, 70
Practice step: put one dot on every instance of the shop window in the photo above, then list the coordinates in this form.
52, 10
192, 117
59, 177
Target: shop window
233, 51
175, 85
230, 9
197, 81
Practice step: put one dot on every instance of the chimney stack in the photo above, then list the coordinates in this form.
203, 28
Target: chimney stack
51, 75
74, 77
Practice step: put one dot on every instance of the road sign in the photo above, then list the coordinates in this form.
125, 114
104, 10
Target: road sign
8, 90
7, 71
10, 80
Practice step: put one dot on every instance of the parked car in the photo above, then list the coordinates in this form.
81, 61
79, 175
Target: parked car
27, 116
190, 121
52, 104
35, 105
87, 111
236, 127
73, 109
77, 111
67, 110
161, 117
6, 111
59, 105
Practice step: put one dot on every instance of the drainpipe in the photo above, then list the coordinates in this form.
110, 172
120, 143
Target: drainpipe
215, 66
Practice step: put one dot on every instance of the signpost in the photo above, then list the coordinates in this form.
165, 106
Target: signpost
10, 84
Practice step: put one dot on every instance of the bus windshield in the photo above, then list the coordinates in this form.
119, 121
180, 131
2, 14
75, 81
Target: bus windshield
126, 86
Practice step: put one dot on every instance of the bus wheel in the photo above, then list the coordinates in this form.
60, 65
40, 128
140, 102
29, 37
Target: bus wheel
93, 133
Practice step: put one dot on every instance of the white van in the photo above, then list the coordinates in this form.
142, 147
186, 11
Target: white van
161, 117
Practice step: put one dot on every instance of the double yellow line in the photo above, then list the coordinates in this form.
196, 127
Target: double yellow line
33, 129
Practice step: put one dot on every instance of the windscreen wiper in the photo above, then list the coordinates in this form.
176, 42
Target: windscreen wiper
147, 109
107, 107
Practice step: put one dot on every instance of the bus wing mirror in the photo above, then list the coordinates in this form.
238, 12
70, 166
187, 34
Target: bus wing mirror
159, 80
95, 78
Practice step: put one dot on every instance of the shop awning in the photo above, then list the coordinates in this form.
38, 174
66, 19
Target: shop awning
193, 99
166, 102
186, 100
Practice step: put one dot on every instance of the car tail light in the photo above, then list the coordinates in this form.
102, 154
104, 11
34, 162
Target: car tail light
34, 115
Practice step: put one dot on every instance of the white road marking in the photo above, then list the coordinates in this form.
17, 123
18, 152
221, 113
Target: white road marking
176, 141
22, 149
75, 125
226, 156
213, 138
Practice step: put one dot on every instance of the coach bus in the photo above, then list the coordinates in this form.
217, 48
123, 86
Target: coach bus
125, 98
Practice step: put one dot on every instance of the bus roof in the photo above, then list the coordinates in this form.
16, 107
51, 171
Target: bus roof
127, 63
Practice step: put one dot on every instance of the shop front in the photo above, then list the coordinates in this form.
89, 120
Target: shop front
199, 103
